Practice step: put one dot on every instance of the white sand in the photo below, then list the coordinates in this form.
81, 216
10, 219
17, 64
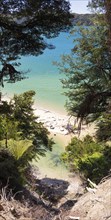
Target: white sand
53, 121
58, 123
61, 124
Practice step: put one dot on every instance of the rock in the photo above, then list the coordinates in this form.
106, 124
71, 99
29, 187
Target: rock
94, 206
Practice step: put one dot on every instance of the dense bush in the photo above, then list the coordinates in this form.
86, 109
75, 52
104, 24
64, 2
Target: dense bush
104, 127
9, 172
89, 157
21, 136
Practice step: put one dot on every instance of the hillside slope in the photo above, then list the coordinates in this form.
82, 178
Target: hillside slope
95, 204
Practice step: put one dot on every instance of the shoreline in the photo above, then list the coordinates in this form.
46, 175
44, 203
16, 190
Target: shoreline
55, 122
62, 124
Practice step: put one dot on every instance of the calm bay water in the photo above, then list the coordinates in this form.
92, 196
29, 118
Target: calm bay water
44, 77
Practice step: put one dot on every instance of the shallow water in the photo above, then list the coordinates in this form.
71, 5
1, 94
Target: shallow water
51, 165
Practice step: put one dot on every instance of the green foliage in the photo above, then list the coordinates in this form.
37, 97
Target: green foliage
88, 73
77, 148
95, 166
89, 157
9, 173
21, 122
21, 134
97, 5
8, 127
18, 148
87, 70
104, 127
87, 85
23, 112
28, 127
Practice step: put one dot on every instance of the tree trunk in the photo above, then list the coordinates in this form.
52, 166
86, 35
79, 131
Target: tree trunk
6, 140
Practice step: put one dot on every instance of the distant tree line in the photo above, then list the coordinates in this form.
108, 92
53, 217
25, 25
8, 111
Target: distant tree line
83, 19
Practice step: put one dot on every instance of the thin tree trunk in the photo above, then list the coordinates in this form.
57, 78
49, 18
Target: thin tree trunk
6, 140
108, 18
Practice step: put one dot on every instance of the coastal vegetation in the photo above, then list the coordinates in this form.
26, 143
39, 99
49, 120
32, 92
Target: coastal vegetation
22, 138
89, 157
25, 25
87, 70
87, 84
24, 28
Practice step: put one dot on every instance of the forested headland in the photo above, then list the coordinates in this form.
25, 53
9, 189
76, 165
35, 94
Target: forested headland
83, 19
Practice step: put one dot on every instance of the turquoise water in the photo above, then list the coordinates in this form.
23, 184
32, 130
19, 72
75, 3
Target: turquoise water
51, 165
44, 77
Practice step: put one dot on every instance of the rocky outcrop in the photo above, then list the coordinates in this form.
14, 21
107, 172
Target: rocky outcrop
95, 204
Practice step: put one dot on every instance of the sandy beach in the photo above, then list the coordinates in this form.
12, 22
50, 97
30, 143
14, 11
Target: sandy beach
56, 123
61, 124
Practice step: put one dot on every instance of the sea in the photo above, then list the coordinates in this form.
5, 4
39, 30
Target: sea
44, 78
